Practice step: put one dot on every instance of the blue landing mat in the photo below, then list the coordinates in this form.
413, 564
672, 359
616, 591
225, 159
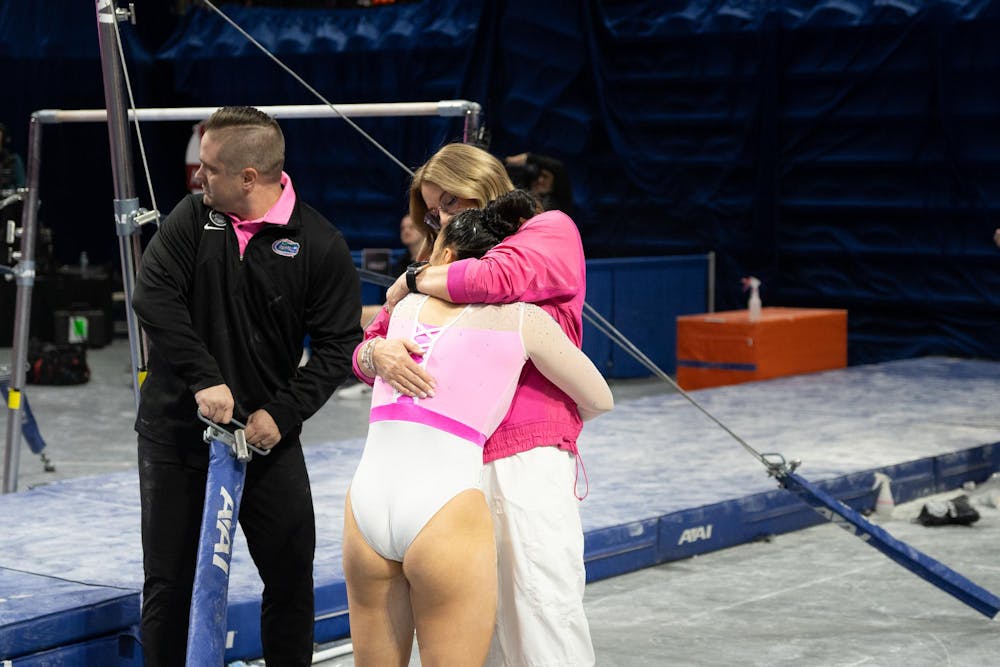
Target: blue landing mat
665, 483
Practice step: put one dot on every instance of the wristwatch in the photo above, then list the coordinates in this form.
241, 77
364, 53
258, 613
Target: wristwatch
411, 275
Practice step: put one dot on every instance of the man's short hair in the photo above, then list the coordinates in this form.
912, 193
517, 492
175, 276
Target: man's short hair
250, 138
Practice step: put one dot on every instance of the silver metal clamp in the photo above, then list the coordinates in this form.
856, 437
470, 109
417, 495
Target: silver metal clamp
236, 439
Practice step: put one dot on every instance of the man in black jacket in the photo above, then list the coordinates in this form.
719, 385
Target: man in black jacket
227, 290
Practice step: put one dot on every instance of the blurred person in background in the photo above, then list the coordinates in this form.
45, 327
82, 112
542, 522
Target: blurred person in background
413, 240
11, 165
543, 176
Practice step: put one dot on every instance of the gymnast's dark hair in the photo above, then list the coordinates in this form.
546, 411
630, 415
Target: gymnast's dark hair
474, 231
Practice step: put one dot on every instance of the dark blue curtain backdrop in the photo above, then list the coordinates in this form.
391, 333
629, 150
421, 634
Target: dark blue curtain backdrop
846, 152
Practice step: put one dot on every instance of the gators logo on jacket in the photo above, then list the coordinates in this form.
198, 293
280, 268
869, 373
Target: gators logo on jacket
285, 247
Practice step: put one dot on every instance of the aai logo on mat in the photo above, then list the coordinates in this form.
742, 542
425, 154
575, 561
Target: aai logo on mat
222, 551
285, 248
695, 534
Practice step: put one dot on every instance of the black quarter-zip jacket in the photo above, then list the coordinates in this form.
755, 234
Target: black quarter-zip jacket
212, 318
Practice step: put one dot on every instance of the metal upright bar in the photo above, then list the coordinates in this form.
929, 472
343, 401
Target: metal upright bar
471, 130
711, 282
126, 203
24, 272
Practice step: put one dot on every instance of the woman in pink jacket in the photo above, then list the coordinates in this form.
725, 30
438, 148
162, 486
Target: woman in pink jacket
531, 460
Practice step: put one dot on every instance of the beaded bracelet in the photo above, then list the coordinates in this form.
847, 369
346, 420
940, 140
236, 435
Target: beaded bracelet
367, 363
366, 358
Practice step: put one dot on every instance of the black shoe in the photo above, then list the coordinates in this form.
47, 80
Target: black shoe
946, 512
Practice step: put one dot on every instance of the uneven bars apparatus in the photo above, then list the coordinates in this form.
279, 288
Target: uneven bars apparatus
128, 215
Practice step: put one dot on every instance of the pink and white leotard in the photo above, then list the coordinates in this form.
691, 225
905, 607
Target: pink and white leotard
421, 453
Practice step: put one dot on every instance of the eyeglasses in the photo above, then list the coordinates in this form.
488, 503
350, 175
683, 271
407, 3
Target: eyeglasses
447, 203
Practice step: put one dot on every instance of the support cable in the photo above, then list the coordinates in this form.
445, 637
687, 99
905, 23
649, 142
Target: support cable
135, 117
773, 462
308, 87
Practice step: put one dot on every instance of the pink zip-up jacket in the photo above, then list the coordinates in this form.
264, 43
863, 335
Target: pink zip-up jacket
542, 263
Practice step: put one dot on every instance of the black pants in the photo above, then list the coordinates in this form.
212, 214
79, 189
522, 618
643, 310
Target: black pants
277, 518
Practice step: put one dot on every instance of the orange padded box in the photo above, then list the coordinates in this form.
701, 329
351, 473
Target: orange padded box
727, 348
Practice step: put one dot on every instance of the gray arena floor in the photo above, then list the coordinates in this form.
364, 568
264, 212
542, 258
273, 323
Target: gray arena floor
814, 597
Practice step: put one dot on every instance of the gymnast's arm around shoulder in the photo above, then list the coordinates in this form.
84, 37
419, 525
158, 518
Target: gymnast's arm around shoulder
564, 364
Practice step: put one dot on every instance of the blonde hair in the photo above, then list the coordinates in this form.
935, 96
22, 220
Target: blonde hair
462, 170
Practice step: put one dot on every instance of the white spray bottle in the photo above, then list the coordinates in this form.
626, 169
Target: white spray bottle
884, 504
753, 303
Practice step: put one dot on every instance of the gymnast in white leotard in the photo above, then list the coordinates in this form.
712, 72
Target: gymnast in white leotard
414, 503
421, 453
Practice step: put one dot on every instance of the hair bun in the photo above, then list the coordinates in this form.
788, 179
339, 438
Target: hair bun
504, 214
474, 231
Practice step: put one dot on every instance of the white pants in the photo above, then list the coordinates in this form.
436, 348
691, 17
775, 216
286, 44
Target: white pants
536, 519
